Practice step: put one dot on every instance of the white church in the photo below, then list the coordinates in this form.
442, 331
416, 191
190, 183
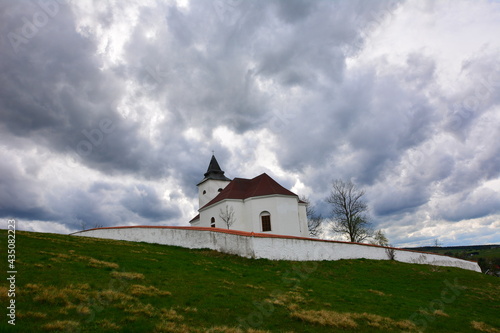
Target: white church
265, 221
258, 205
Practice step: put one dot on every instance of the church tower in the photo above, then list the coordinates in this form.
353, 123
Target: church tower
213, 183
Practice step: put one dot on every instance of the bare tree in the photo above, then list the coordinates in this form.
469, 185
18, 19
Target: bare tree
349, 211
314, 219
227, 215
380, 239
390, 252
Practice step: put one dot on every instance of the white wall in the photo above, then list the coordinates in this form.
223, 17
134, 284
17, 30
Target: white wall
273, 247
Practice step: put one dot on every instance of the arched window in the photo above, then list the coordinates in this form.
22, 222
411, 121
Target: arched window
265, 218
204, 192
219, 190
212, 222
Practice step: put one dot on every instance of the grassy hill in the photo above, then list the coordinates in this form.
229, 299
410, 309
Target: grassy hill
77, 284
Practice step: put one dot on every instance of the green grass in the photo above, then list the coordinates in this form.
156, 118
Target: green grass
78, 284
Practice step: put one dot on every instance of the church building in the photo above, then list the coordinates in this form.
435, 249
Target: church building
259, 205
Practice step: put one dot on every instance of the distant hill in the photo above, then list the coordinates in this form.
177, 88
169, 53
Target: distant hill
79, 284
487, 256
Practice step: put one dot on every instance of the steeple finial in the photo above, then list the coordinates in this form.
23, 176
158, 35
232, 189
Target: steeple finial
214, 171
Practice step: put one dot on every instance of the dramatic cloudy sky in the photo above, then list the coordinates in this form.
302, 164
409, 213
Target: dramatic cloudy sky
110, 110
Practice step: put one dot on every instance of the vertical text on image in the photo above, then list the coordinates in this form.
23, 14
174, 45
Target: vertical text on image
11, 270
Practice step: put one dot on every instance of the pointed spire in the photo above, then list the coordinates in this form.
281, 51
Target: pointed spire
214, 171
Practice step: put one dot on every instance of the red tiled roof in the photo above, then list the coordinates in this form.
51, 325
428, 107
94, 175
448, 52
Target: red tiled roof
241, 188
197, 217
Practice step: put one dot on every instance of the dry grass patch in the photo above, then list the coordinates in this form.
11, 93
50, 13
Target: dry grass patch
140, 309
170, 315
385, 323
441, 313
61, 325
225, 329
254, 287
377, 292
127, 276
84, 310
55, 295
30, 314
102, 264
326, 318
483, 327
171, 327
33, 287
351, 320
139, 290
107, 325
3, 293
114, 296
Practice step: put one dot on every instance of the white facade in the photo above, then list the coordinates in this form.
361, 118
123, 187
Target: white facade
287, 215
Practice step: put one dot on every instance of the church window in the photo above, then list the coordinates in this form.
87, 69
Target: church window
220, 190
204, 192
212, 222
265, 217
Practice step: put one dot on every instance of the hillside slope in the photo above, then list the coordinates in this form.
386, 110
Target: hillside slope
79, 284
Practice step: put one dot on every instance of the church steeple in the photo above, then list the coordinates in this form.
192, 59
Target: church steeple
214, 171
213, 183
